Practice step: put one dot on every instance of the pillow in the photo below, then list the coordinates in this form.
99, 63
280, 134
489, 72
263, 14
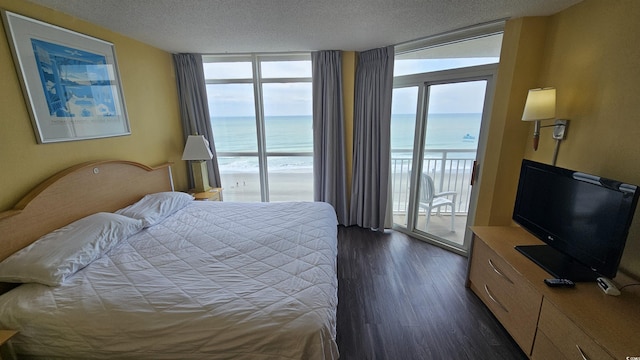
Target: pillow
153, 208
61, 253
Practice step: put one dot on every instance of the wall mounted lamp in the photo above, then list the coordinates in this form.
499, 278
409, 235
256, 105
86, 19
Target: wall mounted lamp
198, 151
541, 105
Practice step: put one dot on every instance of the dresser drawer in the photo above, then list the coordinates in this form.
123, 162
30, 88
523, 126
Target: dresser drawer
567, 337
511, 299
545, 349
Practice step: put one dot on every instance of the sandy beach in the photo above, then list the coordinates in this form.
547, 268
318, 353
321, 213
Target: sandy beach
284, 186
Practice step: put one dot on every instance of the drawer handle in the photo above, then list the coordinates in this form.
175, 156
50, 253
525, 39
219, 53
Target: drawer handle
495, 268
584, 357
486, 289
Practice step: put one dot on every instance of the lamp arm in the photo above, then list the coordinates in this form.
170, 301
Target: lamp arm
536, 135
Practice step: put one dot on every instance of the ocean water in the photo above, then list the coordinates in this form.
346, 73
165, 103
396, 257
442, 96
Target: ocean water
295, 134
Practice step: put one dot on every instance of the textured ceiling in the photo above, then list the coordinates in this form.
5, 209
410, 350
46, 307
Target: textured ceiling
240, 26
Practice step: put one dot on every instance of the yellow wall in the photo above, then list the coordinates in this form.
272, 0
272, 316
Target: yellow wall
149, 88
590, 55
523, 42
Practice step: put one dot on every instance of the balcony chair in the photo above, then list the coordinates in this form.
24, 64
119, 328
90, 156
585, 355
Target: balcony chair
430, 200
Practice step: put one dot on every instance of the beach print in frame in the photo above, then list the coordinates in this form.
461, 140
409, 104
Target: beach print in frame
70, 80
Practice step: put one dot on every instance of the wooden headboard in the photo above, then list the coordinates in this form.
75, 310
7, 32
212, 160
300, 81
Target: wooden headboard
74, 193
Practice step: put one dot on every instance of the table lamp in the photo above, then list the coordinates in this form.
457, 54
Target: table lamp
197, 151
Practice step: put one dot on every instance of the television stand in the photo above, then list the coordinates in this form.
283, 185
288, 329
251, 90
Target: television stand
550, 322
557, 264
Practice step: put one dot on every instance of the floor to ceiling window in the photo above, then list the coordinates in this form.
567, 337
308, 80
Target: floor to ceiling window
261, 115
442, 88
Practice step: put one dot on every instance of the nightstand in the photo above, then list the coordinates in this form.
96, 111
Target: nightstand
211, 195
6, 350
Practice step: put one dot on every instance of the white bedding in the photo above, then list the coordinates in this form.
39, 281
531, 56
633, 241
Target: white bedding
215, 280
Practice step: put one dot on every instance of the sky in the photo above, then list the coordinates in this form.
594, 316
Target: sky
456, 98
295, 98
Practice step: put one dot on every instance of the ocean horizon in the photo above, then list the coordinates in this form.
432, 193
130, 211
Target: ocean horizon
295, 134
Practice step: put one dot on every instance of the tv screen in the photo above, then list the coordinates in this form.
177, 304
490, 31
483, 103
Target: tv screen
584, 220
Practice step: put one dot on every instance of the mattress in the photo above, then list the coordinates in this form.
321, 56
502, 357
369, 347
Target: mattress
215, 280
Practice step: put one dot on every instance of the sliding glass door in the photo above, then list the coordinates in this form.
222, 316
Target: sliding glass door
443, 88
450, 143
434, 151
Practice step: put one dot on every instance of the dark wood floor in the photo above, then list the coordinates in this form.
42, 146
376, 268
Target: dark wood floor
401, 298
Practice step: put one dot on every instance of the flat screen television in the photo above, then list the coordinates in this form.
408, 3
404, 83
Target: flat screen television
583, 219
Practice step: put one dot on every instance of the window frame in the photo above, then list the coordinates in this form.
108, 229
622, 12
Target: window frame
257, 81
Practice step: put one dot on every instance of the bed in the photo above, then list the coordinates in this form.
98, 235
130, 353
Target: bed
193, 280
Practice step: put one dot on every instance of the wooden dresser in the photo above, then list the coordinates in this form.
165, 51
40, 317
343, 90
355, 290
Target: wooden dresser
550, 323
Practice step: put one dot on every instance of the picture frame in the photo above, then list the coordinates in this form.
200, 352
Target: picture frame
70, 81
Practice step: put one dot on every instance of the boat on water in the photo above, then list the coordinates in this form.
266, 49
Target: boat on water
468, 137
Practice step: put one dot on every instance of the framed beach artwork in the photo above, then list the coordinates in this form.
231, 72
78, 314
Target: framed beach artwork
70, 81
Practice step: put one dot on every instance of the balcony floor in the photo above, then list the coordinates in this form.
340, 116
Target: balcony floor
440, 226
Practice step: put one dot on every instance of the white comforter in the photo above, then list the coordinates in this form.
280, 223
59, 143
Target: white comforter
215, 281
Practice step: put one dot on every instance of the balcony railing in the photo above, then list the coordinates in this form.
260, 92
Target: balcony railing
450, 170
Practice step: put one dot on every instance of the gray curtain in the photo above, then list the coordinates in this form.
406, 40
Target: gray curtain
371, 138
329, 169
194, 108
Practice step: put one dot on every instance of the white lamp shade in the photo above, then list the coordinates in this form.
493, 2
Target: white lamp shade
197, 148
540, 105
